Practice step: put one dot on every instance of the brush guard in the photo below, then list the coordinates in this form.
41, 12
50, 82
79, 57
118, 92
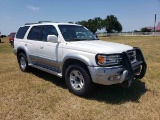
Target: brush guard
137, 69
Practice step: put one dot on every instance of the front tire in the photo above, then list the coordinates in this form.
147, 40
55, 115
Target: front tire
23, 62
78, 80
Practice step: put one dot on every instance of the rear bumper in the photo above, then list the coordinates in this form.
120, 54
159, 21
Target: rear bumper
118, 74
11, 40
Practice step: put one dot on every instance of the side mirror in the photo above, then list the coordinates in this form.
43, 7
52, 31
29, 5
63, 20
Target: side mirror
52, 38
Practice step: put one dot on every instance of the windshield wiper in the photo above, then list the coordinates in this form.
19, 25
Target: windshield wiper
75, 39
78, 39
92, 39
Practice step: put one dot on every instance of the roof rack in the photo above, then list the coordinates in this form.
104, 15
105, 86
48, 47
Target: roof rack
39, 22
44, 21
30, 23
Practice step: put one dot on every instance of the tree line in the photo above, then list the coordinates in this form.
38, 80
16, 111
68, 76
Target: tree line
110, 24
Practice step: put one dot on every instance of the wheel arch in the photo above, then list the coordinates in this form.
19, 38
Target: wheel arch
22, 50
75, 59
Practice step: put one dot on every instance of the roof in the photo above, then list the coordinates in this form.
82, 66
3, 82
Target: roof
158, 26
150, 28
48, 23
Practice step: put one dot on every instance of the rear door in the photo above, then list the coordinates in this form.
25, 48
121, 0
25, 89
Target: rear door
33, 41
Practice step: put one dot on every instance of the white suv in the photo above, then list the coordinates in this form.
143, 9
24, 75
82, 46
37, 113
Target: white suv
71, 51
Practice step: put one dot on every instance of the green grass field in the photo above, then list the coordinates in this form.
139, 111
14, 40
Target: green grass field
41, 96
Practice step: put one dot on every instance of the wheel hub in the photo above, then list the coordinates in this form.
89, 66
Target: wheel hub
76, 80
22, 62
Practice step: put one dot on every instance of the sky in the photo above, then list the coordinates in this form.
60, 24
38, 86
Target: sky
132, 14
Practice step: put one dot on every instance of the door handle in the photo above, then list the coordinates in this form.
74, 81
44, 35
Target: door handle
41, 47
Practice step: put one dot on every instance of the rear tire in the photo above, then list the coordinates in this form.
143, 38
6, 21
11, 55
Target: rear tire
78, 80
23, 62
11, 43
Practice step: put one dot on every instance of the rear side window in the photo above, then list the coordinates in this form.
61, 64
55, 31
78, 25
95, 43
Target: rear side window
21, 32
35, 33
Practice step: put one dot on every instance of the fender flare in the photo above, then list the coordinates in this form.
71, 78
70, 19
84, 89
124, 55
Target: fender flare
83, 59
26, 52
79, 57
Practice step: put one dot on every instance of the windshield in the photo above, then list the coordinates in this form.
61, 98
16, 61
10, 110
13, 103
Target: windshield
12, 35
76, 33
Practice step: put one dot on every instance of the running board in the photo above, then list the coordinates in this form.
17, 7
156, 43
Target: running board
47, 70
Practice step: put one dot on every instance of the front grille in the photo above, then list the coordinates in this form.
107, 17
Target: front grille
132, 55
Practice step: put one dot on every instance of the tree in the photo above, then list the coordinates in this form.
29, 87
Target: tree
0, 37
145, 30
112, 24
136, 31
95, 24
84, 23
92, 24
118, 26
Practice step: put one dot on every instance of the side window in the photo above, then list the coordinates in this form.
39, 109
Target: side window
49, 30
35, 33
21, 32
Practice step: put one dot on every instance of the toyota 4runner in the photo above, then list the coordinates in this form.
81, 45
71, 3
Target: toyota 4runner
72, 52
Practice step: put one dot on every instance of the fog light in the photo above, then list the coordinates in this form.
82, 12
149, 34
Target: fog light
116, 77
110, 78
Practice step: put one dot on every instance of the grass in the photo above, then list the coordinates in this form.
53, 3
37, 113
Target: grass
42, 96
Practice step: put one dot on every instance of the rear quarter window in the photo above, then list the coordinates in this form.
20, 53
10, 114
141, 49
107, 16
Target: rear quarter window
21, 32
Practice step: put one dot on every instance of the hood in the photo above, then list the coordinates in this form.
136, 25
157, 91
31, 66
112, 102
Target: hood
97, 46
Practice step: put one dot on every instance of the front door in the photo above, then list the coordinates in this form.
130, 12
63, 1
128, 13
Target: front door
48, 52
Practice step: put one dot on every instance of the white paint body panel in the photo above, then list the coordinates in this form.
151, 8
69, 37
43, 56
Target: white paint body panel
59, 51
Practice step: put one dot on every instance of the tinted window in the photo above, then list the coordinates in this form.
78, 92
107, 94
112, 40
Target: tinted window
35, 33
21, 32
49, 30
76, 33
12, 35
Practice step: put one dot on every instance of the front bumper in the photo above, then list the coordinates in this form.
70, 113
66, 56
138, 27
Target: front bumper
118, 74
108, 75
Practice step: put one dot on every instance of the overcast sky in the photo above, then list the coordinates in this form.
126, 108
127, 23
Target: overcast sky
132, 14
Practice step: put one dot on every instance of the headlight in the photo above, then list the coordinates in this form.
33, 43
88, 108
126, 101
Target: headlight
132, 55
108, 60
